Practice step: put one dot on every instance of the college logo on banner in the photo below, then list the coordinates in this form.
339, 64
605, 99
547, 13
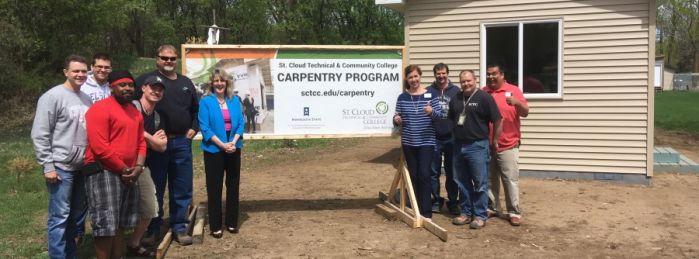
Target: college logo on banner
382, 107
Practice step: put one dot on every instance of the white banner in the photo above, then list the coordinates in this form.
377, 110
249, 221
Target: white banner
330, 96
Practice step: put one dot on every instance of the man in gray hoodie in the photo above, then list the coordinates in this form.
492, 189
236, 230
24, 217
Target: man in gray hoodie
59, 139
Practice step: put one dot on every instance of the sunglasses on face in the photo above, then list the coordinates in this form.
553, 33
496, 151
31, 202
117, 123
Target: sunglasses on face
164, 58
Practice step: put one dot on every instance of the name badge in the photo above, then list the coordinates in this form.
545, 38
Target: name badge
462, 119
428, 95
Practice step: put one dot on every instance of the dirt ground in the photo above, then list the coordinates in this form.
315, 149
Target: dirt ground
320, 203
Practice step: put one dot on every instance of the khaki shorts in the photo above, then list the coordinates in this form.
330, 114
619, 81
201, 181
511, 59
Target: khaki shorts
147, 202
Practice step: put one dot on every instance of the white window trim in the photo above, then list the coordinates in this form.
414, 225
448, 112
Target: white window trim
520, 46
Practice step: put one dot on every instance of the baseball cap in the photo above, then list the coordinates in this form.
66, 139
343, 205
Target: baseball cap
153, 80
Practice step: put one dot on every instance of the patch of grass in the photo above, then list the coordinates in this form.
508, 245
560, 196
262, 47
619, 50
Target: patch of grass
23, 201
262, 144
677, 110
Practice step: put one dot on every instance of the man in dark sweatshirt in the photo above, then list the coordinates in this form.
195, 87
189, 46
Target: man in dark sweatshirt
443, 90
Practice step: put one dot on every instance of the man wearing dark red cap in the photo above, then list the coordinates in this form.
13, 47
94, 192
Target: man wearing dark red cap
114, 160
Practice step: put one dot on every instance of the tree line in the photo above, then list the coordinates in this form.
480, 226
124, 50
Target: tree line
36, 35
678, 37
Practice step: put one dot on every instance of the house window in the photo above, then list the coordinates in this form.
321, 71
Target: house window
530, 53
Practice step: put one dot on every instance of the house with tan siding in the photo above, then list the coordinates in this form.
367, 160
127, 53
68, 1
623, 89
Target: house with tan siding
586, 68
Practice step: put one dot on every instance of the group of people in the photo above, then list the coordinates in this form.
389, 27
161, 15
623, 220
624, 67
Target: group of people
109, 144
477, 133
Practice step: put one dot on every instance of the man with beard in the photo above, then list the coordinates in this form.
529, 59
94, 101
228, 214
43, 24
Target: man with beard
178, 109
114, 160
58, 136
443, 90
97, 87
472, 112
505, 164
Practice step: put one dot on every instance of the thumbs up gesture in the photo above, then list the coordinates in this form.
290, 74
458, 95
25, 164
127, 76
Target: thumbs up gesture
428, 108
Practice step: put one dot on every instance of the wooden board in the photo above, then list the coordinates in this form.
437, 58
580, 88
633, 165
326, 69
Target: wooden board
435, 229
164, 245
200, 222
167, 240
384, 210
403, 215
390, 210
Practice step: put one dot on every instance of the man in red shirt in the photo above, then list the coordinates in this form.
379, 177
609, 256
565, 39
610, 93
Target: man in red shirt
505, 158
114, 160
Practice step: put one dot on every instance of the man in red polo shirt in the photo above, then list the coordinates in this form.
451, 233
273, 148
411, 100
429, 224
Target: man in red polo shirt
505, 152
113, 162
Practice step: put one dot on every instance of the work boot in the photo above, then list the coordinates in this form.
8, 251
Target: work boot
477, 223
183, 238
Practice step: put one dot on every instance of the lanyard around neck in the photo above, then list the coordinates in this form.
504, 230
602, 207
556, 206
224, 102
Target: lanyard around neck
467, 101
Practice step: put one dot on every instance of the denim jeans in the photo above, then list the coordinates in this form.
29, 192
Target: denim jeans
66, 203
445, 147
471, 171
418, 161
174, 168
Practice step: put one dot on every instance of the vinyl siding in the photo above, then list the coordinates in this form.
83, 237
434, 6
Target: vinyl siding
601, 122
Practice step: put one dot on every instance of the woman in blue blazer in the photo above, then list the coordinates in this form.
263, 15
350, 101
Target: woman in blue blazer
222, 124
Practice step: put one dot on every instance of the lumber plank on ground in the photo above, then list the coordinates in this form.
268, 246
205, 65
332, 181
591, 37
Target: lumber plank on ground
167, 240
385, 211
190, 218
435, 229
383, 196
403, 215
198, 231
164, 245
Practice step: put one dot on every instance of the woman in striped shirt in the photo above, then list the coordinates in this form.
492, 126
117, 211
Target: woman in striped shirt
415, 110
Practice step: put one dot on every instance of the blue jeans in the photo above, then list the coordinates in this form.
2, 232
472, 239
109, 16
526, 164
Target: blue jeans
471, 171
446, 147
418, 161
174, 168
66, 203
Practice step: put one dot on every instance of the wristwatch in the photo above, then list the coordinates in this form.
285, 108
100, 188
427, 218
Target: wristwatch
141, 166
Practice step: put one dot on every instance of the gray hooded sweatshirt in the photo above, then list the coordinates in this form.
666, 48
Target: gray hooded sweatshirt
58, 132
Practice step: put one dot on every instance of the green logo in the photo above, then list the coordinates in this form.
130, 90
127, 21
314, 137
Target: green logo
382, 107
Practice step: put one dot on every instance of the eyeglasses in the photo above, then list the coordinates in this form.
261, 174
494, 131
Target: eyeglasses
103, 67
164, 58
